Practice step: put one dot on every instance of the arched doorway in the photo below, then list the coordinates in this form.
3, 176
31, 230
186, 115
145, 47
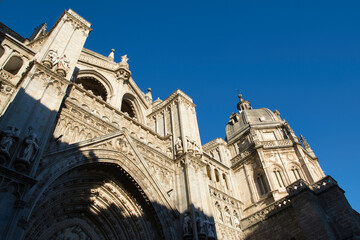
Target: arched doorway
94, 201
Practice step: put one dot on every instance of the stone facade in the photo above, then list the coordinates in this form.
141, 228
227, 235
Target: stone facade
85, 154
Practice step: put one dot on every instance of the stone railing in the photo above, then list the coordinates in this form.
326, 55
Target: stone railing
104, 111
297, 186
241, 156
323, 184
5, 75
265, 213
277, 143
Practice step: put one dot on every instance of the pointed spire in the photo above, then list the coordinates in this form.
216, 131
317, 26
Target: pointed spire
111, 55
243, 104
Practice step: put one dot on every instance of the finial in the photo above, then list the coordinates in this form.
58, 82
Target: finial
149, 89
111, 55
242, 104
124, 59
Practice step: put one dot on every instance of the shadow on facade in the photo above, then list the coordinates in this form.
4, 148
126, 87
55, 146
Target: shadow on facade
318, 211
96, 189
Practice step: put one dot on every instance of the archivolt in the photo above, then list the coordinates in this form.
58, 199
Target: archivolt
106, 200
128, 165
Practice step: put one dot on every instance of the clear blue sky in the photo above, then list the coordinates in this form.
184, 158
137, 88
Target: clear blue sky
300, 57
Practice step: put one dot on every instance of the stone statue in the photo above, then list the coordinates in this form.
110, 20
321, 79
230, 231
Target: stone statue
227, 217
236, 221
124, 59
189, 145
8, 137
209, 228
178, 146
31, 146
52, 57
200, 225
187, 225
63, 63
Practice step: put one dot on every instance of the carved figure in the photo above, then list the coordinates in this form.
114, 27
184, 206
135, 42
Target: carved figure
124, 59
219, 213
31, 146
178, 146
189, 144
200, 225
187, 225
227, 217
63, 63
9, 136
236, 221
52, 57
209, 228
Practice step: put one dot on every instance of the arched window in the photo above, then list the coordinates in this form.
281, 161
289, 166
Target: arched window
226, 181
296, 173
217, 175
127, 107
93, 85
236, 219
13, 65
2, 50
208, 171
218, 211
261, 184
278, 177
227, 216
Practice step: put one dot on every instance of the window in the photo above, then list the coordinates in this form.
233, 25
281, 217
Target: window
226, 181
2, 50
278, 177
208, 171
93, 85
261, 184
295, 172
13, 65
217, 175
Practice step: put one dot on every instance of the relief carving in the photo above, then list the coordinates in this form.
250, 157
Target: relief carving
8, 137
29, 148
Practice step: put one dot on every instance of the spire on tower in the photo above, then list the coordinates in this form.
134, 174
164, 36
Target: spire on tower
243, 104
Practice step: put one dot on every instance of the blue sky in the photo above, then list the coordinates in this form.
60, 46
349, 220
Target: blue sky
300, 57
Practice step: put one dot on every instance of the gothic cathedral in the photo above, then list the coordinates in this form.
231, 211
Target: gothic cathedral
86, 154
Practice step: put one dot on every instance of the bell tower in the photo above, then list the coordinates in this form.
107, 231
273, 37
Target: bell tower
29, 119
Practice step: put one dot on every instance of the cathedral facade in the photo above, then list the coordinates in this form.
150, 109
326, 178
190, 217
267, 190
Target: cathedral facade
86, 154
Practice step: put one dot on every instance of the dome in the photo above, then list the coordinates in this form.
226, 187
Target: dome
239, 121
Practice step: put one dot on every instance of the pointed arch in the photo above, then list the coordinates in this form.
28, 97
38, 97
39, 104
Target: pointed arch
131, 107
127, 166
96, 82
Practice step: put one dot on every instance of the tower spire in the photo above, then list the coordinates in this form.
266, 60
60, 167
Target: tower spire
243, 104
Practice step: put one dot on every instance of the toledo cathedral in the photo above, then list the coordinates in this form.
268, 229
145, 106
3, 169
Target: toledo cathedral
86, 154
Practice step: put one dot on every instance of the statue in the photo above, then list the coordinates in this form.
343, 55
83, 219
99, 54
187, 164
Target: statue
189, 145
52, 58
31, 146
187, 225
8, 137
178, 146
227, 217
200, 225
236, 221
209, 228
63, 63
124, 59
